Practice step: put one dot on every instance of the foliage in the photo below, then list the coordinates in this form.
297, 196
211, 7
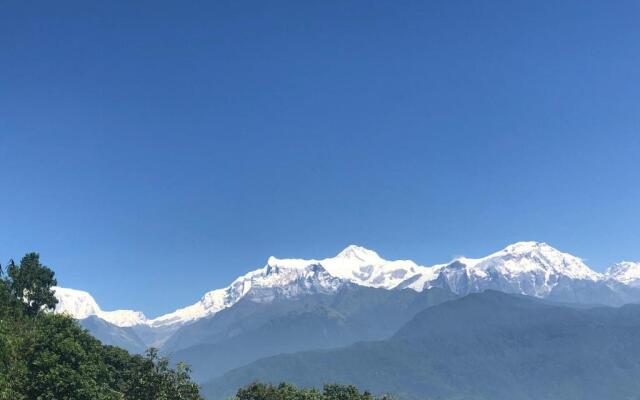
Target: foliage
44, 356
31, 283
286, 391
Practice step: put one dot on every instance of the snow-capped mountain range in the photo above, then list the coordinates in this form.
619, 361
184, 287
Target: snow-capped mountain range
529, 268
625, 272
81, 305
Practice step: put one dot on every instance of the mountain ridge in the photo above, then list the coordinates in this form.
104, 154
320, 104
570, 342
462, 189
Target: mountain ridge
483, 346
530, 268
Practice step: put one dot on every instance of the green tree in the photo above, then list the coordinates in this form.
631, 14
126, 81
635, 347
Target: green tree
150, 377
45, 356
5, 293
31, 283
63, 362
344, 392
287, 391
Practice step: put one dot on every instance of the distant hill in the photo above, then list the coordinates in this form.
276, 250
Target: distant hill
249, 331
489, 346
124, 337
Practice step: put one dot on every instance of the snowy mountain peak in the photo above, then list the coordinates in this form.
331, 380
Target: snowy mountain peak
529, 268
80, 305
360, 254
77, 303
525, 256
625, 272
527, 247
279, 278
532, 249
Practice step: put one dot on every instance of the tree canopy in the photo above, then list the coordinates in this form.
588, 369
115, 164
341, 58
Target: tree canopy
31, 282
287, 391
45, 356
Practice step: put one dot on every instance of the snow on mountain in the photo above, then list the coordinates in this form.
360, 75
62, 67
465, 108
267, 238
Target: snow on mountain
80, 305
365, 267
625, 272
526, 257
262, 285
529, 268
77, 303
293, 277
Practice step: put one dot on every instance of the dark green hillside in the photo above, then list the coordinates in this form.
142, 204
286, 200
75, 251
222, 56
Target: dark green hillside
45, 356
249, 331
489, 346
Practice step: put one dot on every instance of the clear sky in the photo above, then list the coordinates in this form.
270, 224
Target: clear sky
155, 151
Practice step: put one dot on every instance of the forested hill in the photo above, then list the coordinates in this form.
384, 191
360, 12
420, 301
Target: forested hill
485, 346
49, 356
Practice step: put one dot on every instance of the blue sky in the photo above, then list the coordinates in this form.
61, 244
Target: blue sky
152, 152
